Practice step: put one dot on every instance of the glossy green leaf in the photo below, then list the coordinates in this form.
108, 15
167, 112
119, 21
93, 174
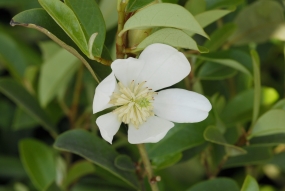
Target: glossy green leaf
220, 36
257, 84
173, 37
16, 56
77, 171
217, 184
213, 71
124, 162
180, 138
51, 82
91, 21
39, 19
22, 120
166, 161
255, 155
272, 122
23, 99
11, 167
213, 4
95, 150
214, 135
67, 20
257, 22
250, 184
242, 105
39, 162
134, 5
164, 15
196, 6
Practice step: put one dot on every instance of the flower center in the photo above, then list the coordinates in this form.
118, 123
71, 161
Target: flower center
134, 103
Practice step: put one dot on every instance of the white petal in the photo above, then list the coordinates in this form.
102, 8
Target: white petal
103, 92
181, 106
127, 70
164, 66
152, 131
108, 125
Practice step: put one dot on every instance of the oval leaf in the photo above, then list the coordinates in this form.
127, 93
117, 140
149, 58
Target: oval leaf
95, 150
67, 20
50, 82
91, 21
39, 162
217, 184
23, 99
164, 15
76, 171
172, 37
213, 135
272, 122
250, 184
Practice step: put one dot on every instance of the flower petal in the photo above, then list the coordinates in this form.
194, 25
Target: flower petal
164, 66
108, 125
103, 92
127, 70
181, 106
152, 131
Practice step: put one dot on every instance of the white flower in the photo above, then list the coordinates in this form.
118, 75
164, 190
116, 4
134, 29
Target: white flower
148, 113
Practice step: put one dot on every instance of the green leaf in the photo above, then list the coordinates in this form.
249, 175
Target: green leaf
257, 84
67, 20
23, 99
124, 162
268, 140
110, 14
257, 22
227, 62
22, 120
39, 19
51, 82
95, 150
173, 37
208, 17
39, 162
196, 6
217, 184
11, 167
165, 161
134, 5
220, 36
91, 21
213, 71
16, 56
214, 135
164, 15
180, 138
213, 4
250, 184
48, 49
255, 155
272, 122
52, 187
242, 105
76, 171
279, 105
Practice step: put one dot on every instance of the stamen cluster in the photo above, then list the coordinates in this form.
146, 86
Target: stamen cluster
135, 103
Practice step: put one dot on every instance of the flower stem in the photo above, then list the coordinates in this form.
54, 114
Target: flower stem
151, 179
121, 21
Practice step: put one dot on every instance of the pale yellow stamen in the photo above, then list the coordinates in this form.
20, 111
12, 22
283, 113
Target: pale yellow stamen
134, 103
